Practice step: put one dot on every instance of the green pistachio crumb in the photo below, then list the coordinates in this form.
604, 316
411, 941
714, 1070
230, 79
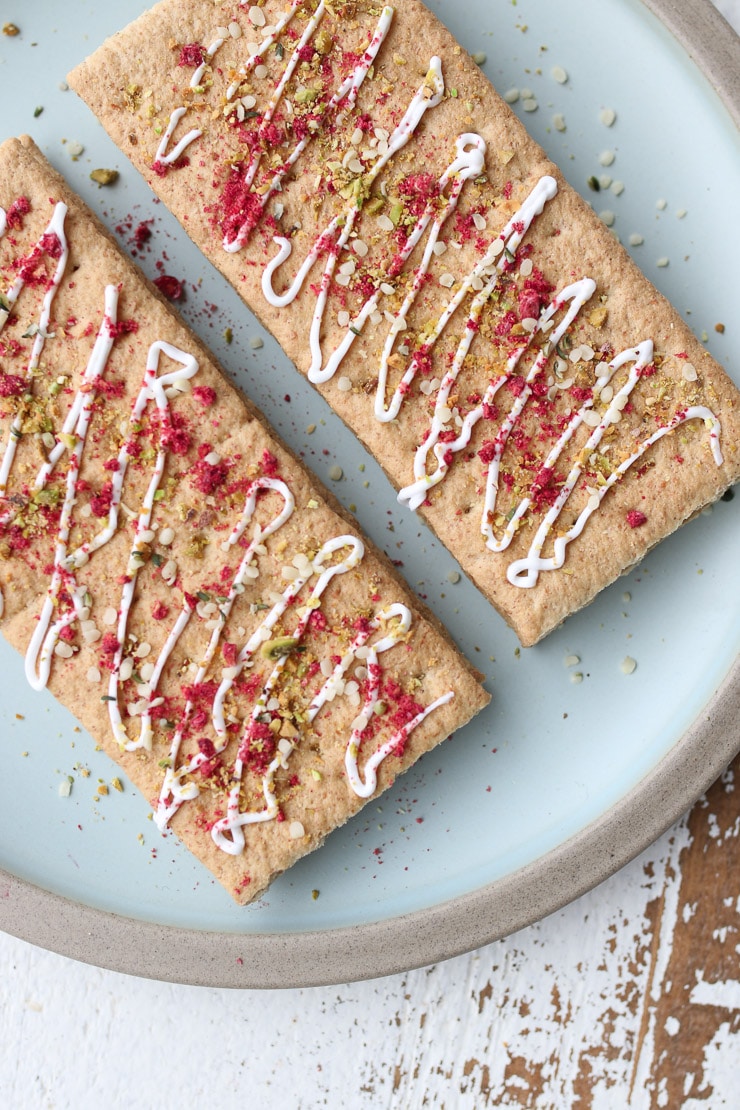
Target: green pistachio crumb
275, 649
104, 177
395, 214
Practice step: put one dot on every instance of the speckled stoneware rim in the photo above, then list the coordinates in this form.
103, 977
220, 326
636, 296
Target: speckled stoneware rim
709, 41
496, 910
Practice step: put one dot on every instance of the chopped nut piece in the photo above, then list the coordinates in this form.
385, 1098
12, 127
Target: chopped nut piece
104, 177
275, 649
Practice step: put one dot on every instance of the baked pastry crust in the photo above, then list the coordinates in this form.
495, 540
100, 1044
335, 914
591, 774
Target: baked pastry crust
355, 177
174, 575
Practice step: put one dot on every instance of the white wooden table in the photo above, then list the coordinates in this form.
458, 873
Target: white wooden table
630, 997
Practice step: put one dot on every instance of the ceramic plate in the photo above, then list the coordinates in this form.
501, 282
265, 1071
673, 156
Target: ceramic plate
576, 766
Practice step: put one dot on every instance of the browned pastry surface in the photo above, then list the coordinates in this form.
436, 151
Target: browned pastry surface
311, 167
101, 579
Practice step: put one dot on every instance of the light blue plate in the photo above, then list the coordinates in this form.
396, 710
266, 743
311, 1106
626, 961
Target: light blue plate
552, 759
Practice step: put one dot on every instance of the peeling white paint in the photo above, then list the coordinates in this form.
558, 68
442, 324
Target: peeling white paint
724, 994
720, 1074
518, 1023
667, 925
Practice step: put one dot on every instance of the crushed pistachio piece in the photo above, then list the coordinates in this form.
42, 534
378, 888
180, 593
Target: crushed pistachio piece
306, 96
277, 648
104, 177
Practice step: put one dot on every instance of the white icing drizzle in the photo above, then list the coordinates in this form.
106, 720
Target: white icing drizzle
525, 572
46, 635
174, 791
3, 221
228, 832
488, 269
55, 230
153, 389
468, 163
576, 296
334, 238
47, 631
178, 787
480, 283
269, 112
367, 788
348, 90
344, 98
66, 601
164, 158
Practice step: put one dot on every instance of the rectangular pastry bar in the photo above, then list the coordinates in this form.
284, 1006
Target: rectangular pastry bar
174, 575
376, 204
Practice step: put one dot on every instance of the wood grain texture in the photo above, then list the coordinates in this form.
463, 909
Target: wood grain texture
696, 1011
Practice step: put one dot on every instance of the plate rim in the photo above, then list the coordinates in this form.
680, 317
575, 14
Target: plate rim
451, 928
463, 924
